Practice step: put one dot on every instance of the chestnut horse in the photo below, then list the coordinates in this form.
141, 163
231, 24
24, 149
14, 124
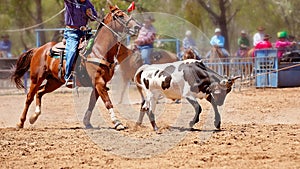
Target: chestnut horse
99, 67
215, 57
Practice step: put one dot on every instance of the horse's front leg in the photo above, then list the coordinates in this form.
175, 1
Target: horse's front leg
93, 99
102, 91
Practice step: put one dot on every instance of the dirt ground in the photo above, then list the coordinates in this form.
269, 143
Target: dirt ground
260, 129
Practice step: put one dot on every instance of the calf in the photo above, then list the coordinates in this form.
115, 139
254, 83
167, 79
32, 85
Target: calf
189, 79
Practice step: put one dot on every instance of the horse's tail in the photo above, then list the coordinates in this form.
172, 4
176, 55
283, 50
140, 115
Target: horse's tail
22, 66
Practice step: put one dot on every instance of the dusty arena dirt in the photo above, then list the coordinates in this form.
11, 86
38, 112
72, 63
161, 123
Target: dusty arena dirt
260, 129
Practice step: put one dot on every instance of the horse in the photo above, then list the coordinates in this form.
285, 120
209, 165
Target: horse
244, 56
130, 65
216, 55
99, 66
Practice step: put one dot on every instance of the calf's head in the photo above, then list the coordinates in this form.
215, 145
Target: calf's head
220, 89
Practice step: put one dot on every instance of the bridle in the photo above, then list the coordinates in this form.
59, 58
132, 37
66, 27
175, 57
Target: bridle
124, 23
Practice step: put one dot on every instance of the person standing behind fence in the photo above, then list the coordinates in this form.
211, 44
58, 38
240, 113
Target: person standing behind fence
265, 43
146, 39
5, 46
282, 44
77, 14
258, 37
244, 44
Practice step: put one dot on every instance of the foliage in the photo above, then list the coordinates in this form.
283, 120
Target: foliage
274, 15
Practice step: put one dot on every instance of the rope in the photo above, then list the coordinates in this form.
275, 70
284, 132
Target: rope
34, 26
285, 68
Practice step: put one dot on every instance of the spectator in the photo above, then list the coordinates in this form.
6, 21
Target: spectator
146, 39
282, 44
218, 41
243, 43
258, 37
265, 43
5, 46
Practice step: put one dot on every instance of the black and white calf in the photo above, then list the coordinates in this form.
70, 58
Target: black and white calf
189, 79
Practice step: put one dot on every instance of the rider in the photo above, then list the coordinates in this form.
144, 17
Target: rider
282, 44
189, 42
243, 43
218, 41
146, 39
77, 14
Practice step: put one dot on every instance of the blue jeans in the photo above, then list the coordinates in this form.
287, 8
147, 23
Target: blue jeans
72, 37
146, 51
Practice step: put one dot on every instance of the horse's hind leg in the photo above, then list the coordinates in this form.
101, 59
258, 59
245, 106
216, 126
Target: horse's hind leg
50, 86
30, 96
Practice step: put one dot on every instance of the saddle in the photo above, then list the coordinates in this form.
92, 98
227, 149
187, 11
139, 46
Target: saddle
58, 51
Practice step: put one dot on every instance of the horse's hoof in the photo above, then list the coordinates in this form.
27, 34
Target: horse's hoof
157, 130
33, 118
118, 125
20, 126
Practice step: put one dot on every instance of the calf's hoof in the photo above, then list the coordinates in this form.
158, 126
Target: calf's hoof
192, 124
88, 126
218, 125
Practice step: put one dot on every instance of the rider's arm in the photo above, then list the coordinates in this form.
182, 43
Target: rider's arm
91, 10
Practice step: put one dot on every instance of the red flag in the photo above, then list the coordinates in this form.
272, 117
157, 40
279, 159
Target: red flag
131, 7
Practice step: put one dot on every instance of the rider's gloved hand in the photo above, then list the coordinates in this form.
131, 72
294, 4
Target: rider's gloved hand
89, 13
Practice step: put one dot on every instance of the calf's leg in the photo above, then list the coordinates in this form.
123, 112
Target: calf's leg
197, 108
217, 122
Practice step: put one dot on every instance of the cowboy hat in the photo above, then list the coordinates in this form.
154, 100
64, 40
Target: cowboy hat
217, 30
267, 36
149, 18
260, 28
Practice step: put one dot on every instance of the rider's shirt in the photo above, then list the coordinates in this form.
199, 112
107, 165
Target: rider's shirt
263, 44
243, 41
75, 13
188, 42
258, 37
146, 36
218, 41
282, 46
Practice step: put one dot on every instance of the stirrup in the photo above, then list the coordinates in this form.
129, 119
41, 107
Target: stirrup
70, 81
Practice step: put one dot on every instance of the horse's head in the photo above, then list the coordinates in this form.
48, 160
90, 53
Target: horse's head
124, 23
